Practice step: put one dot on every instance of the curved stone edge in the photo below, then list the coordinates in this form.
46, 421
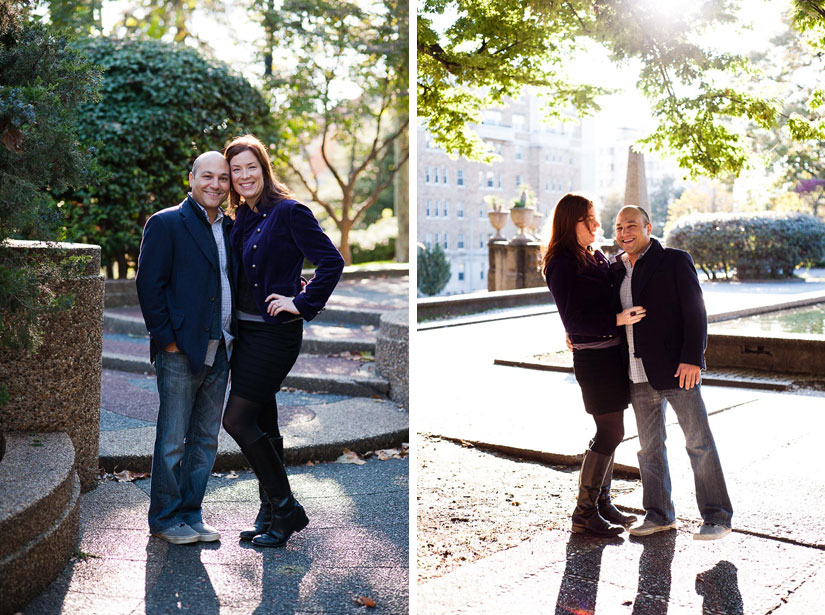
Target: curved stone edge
37, 482
392, 354
27, 571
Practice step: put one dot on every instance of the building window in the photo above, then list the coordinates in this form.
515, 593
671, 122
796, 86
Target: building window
519, 152
459, 209
499, 180
491, 181
427, 175
481, 179
459, 177
428, 241
427, 208
444, 175
547, 185
491, 117
437, 239
481, 242
445, 209
481, 273
461, 272
460, 241
518, 181
481, 211
519, 121
435, 175
435, 211
446, 241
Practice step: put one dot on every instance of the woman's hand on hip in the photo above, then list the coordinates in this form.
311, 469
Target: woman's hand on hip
630, 316
280, 303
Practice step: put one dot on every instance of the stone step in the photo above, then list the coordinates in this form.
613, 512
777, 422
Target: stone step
324, 336
39, 514
342, 373
315, 426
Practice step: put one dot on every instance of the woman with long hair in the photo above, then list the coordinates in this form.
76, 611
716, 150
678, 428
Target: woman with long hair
580, 280
271, 237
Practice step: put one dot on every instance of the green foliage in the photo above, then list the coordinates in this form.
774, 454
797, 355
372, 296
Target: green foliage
161, 106
492, 50
43, 83
333, 44
758, 245
433, 270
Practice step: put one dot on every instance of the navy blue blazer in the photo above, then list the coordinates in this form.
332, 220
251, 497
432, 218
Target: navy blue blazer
272, 244
178, 279
675, 328
586, 299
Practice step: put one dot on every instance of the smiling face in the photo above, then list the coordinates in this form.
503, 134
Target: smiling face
632, 232
247, 176
586, 229
209, 180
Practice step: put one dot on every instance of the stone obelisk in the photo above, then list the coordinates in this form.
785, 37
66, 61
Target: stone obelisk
635, 190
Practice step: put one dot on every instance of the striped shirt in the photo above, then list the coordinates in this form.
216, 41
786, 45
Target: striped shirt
636, 369
226, 289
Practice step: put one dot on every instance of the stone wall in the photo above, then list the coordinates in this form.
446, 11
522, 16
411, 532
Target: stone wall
392, 354
58, 387
514, 265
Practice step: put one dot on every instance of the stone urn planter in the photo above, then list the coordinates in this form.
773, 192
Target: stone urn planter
498, 218
522, 217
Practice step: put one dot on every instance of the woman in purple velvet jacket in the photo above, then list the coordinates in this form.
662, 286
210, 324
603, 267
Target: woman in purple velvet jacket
582, 288
271, 237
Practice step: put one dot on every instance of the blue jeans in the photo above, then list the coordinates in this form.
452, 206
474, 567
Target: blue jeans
711, 492
189, 419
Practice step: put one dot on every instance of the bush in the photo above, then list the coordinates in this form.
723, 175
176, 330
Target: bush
433, 270
161, 105
757, 245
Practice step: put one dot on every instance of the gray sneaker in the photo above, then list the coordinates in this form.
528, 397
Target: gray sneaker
647, 527
206, 532
711, 531
180, 534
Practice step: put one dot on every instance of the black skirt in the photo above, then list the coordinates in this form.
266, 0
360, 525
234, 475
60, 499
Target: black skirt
602, 376
262, 356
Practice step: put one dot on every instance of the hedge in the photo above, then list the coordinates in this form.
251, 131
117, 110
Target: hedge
754, 246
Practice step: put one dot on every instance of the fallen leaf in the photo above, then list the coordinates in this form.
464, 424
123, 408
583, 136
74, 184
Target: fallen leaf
127, 476
349, 456
231, 475
310, 463
364, 601
217, 474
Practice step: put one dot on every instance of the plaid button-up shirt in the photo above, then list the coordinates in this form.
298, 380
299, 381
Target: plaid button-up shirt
636, 369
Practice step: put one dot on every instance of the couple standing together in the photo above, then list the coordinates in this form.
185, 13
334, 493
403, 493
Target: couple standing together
218, 289
638, 331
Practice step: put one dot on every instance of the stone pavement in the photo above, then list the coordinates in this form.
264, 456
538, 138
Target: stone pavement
355, 545
768, 443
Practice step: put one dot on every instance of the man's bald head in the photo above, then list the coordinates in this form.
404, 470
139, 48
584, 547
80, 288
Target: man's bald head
211, 156
636, 208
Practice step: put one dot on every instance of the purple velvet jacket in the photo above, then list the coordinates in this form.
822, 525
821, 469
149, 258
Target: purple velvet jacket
272, 246
586, 299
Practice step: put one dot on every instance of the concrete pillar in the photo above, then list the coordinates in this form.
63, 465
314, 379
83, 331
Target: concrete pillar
514, 266
57, 388
401, 198
392, 354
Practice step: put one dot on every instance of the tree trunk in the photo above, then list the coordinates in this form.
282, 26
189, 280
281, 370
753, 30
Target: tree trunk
343, 247
401, 185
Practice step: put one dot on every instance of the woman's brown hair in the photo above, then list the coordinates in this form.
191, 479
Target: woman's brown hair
570, 210
273, 188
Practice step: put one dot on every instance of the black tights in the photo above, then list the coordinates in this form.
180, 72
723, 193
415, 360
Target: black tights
247, 420
609, 432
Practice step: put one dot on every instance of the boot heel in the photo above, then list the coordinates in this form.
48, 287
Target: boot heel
301, 519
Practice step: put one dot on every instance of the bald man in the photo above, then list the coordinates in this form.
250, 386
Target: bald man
184, 282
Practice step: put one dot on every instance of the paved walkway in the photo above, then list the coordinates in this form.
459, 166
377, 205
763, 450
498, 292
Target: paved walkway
355, 545
769, 447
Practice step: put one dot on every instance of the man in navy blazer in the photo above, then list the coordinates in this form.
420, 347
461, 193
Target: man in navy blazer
666, 354
184, 281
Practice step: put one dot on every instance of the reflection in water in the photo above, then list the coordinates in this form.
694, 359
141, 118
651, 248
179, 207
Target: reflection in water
719, 588
653, 593
580, 583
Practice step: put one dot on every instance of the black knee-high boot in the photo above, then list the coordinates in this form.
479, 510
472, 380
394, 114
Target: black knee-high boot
288, 515
586, 517
606, 508
264, 515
